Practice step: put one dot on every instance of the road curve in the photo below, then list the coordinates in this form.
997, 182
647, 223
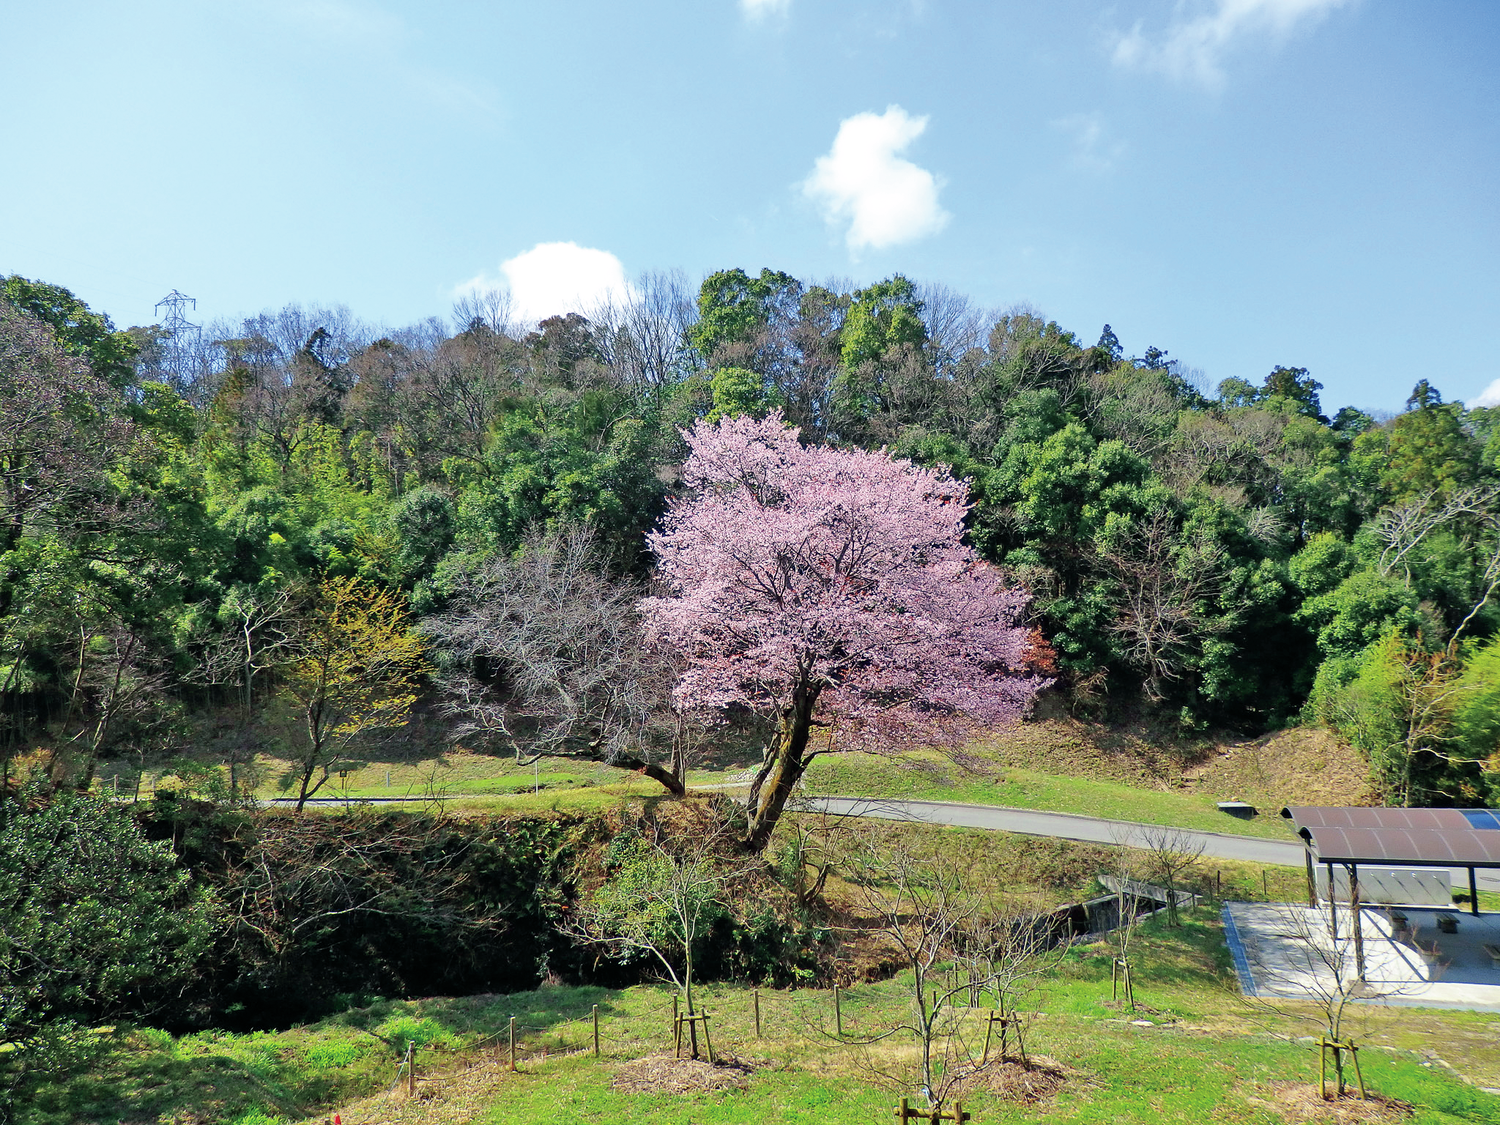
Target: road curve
1002, 818
1068, 826
1090, 829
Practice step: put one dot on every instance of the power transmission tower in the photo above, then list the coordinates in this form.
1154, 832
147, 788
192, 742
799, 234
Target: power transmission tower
180, 349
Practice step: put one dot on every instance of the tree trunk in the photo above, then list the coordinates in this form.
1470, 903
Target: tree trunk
667, 778
785, 762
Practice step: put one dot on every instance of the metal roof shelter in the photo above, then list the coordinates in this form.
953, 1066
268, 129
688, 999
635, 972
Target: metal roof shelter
1467, 838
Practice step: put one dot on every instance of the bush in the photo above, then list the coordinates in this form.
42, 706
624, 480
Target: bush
97, 922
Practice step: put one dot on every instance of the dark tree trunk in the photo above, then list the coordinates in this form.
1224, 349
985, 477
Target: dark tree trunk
785, 762
666, 778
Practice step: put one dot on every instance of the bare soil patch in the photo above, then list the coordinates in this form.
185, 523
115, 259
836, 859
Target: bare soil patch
1025, 1083
1305, 765
1300, 1102
663, 1074
460, 1094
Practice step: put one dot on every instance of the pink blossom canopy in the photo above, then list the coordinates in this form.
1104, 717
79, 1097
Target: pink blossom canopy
839, 573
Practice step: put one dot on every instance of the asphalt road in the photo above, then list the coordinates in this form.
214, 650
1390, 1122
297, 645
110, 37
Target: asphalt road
1068, 826
999, 818
1090, 829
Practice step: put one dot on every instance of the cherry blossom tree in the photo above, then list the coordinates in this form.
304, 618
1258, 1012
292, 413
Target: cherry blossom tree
830, 588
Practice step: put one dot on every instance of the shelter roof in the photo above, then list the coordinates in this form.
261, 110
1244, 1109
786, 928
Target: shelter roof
1400, 837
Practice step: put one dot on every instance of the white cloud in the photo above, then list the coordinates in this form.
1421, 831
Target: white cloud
760, 9
1093, 148
1490, 396
1193, 46
863, 182
554, 278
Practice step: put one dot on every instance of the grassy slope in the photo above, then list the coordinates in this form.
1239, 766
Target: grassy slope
928, 776
1206, 1056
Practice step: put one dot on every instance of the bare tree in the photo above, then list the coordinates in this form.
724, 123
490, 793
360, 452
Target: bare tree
117, 681
1166, 584
1402, 528
492, 307
1172, 854
1306, 955
931, 915
955, 325
664, 893
543, 652
642, 334
256, 631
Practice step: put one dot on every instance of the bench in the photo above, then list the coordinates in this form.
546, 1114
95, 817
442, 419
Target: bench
1494, 953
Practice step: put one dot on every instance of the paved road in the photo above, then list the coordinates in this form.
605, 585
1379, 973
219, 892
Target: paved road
1069, 826
1000, 818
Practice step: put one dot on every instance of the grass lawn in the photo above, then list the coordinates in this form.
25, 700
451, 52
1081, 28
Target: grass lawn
1205, 1055
931, 777
482, 783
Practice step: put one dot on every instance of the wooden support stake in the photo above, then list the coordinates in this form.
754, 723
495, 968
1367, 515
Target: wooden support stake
756, 996
596, 1031
512, 1042
411, 1069
902, 1111
676, 1027
838, 1012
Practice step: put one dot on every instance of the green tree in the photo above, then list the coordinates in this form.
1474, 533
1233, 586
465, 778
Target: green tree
737, 390
734, 309
1430, 452
111, 354
352, 674
95, 923
881, 317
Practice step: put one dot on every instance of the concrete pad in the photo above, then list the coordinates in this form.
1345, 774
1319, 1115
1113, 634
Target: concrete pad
1282, 949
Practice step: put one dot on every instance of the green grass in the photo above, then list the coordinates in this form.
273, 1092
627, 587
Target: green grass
478, 783
1207, 1055
931, 777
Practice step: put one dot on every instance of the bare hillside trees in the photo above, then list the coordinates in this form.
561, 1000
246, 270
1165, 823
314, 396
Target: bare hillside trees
542, 653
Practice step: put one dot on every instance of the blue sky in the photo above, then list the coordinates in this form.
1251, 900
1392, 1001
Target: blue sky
1242, 182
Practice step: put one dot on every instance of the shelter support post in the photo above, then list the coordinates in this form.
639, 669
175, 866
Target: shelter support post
1333, 907
1312, 883
1473, 894
1358, 930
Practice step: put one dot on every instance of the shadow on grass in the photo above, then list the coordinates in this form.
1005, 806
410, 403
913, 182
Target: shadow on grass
145, 1075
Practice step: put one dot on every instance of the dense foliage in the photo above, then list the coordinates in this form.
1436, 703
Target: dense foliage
175, 520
